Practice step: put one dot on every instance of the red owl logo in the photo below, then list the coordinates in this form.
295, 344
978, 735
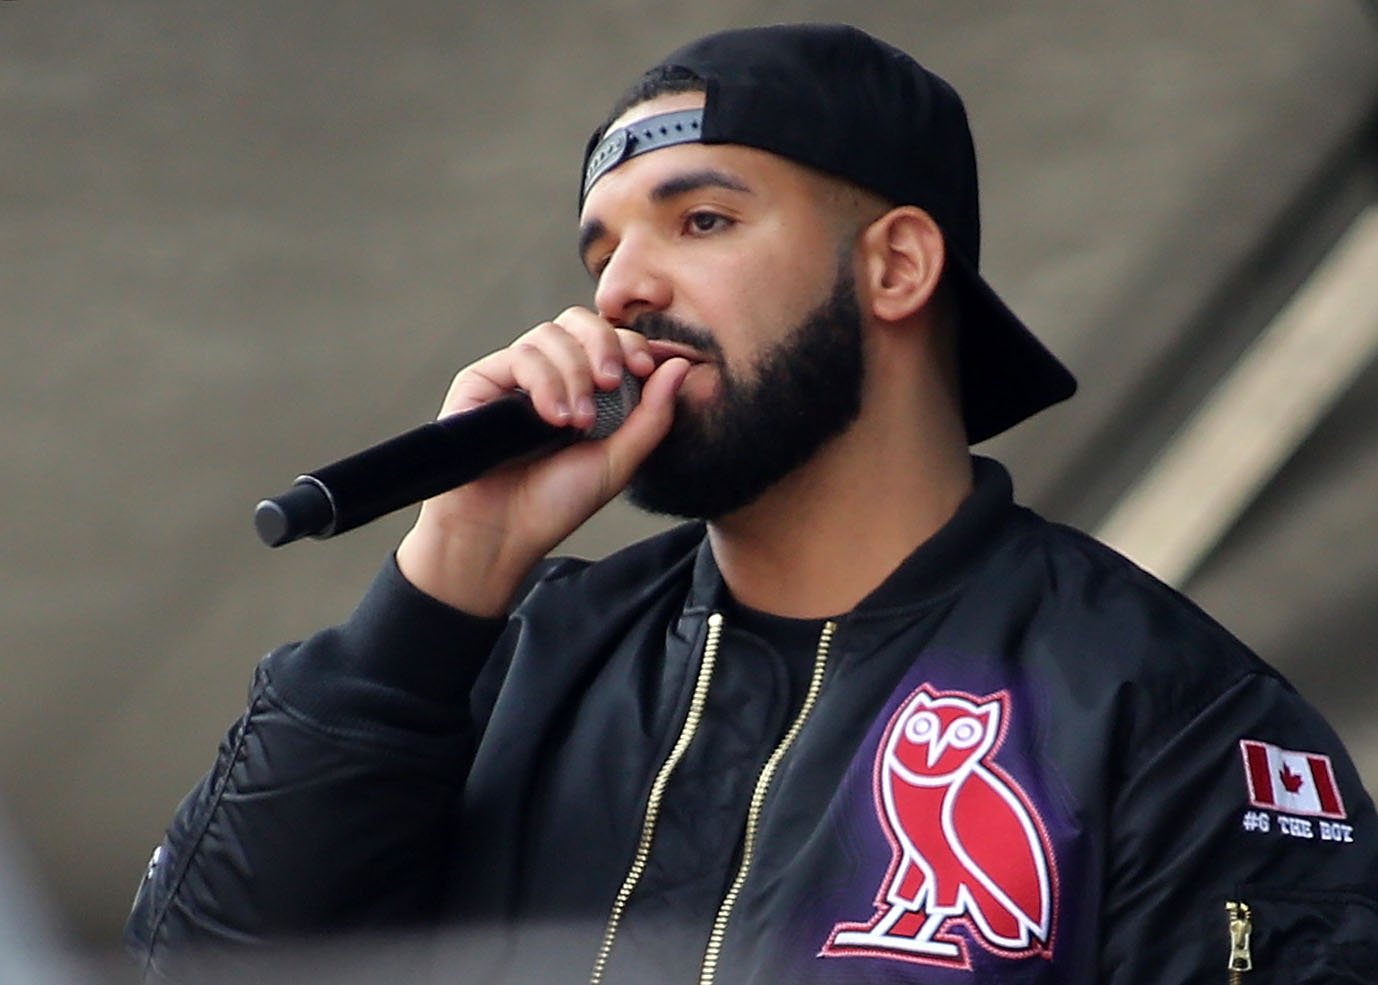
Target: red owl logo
968, 848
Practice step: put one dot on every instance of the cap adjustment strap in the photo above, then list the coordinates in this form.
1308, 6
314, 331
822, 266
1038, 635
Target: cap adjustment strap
664, 130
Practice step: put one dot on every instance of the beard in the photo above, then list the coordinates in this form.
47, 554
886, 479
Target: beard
803, 391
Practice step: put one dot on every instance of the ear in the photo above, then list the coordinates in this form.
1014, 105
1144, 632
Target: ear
902, 256
991, 711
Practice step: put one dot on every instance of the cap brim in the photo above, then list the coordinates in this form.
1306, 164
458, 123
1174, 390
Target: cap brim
1007, 375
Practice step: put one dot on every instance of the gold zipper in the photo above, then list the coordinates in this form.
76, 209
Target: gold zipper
709, 969
648, 825
1241, 926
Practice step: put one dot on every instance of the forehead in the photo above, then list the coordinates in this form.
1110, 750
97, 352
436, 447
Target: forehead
668, 103
656, 176
655, 184
619, 148
767, 175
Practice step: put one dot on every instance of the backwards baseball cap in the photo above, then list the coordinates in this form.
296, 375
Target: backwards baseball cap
833, 98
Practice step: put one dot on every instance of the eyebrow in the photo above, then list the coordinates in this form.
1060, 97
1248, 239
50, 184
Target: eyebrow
692, 181
681, 184
590, 233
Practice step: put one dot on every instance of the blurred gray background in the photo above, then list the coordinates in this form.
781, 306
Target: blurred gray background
242, 240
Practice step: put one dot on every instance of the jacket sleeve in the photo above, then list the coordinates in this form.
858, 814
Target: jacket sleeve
329, 804
1254, 803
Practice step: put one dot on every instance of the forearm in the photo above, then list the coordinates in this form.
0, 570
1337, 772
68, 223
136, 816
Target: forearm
331, 801
1189, 841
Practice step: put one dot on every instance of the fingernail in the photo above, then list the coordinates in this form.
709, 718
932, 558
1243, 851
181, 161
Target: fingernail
612, 368
562, 410
586, 407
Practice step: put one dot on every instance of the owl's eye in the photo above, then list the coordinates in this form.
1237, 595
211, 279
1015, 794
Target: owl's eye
922, 728
964, 733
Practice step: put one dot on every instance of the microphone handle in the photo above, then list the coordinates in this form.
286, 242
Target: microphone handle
416, 465
426, 461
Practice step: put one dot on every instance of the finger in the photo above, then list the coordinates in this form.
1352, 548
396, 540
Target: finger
558, 363
636, 354
566, 352
480, 382
606, 349
646, 426
522, 365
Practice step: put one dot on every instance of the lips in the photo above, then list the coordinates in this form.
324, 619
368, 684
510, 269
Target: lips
662, 349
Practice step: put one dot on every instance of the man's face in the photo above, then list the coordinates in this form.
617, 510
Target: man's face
726, 255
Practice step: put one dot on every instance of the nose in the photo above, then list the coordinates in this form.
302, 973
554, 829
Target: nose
631, 283
935, 750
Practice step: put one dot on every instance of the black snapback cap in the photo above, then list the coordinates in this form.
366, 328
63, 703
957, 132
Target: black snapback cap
836, 99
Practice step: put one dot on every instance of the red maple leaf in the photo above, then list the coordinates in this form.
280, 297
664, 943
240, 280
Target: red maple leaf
1291, 781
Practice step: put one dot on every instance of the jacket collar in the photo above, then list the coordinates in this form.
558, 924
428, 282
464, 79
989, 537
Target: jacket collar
934, 568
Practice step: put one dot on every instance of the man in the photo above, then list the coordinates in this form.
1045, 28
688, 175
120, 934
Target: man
870, 721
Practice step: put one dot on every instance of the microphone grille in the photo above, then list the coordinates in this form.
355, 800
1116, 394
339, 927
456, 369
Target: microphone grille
611, 407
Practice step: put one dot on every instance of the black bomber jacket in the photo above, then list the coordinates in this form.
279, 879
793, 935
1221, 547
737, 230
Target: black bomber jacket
1021, 759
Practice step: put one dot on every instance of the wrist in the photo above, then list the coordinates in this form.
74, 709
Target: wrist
466, 570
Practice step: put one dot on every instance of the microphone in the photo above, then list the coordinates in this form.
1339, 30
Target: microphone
426, 461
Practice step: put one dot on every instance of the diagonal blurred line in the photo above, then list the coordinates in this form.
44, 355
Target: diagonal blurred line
1258, 415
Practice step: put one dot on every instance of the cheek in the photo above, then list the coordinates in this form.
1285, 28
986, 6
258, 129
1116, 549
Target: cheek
757, 301
790, 266
752, 289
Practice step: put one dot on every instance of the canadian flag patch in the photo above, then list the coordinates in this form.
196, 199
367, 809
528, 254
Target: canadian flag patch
1291, 781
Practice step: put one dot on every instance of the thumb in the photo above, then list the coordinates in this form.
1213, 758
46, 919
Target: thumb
647, 425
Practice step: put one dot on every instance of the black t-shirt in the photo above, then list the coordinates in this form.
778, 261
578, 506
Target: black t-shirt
764, 666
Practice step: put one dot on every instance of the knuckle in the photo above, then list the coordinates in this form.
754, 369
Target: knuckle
585, 325
532, 332
630, 339
545, 331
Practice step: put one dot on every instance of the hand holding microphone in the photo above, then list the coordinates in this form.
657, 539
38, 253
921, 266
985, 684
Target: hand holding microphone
504, 475
427, 461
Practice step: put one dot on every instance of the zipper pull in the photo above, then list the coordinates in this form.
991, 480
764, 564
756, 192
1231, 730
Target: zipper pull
1241, 926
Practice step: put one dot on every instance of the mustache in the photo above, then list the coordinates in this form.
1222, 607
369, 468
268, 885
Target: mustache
658, 325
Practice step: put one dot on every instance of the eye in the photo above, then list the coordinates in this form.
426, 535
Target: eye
922, 728
703, 222
597, 263
964, 733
